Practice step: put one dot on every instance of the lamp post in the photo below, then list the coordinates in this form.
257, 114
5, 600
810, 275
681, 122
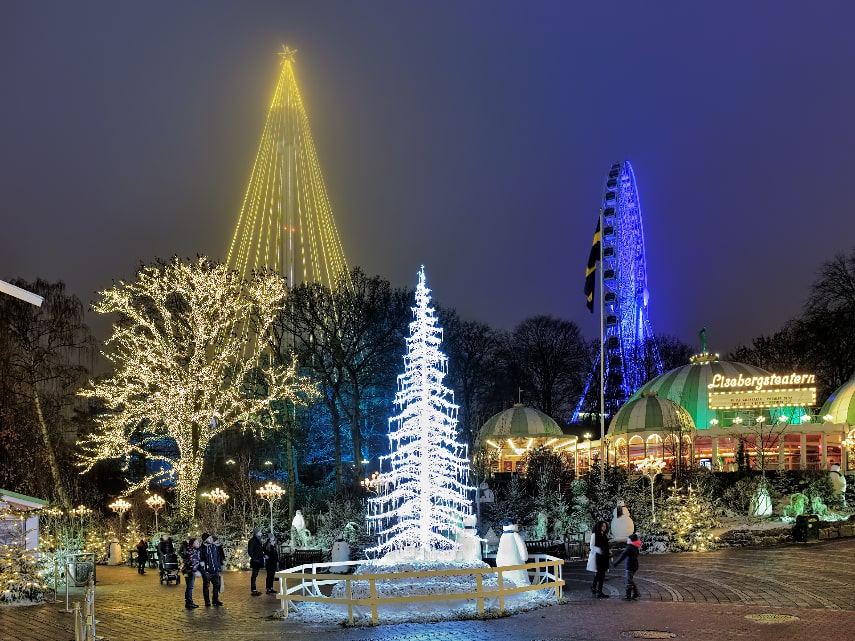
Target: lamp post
270, 492
758, 447
650, 467
121, 506
156, 503
587, 436
219, 497
81, 511
372, 483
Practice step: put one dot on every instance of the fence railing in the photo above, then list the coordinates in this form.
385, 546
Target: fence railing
305, 583
84, 620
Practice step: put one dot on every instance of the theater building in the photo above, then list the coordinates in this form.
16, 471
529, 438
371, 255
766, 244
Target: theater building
715, 412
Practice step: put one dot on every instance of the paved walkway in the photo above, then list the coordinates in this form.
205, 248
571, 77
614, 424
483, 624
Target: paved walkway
800, 591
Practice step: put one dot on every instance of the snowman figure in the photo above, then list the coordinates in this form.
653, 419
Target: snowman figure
340, 552
469, 543
838, 482
622, 524
512, 551
487, 495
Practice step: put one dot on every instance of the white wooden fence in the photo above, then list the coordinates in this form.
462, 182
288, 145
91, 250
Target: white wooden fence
305, 583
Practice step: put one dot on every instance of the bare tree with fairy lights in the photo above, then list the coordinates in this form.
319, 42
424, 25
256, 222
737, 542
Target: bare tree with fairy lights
425, 489
190, 361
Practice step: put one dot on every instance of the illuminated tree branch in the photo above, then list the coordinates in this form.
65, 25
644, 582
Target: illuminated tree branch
189, 363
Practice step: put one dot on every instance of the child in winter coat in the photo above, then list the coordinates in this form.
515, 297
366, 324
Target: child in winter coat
629, 556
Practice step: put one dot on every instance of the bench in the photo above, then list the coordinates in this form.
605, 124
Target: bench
552, 548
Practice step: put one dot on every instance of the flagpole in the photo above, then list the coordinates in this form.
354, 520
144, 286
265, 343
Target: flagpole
602, 358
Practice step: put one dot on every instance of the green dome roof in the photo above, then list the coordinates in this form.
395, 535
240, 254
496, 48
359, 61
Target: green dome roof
841, 404
650, 413
519, 422
688, 385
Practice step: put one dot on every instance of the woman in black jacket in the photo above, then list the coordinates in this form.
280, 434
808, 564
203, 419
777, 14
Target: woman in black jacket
255, 551
142, 556
598, 561
271, 563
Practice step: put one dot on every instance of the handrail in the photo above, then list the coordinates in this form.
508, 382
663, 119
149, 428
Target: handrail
303, 584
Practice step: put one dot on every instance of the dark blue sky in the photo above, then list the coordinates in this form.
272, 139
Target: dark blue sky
473, 137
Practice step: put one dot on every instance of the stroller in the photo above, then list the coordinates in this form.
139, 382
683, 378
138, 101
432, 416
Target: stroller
169, 569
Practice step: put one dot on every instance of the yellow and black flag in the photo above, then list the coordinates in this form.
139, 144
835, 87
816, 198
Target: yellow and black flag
591, 269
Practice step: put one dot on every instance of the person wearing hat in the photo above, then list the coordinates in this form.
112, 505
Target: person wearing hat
255, 550
212, 565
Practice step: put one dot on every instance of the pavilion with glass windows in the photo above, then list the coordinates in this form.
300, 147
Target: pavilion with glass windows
506, 437
709, 410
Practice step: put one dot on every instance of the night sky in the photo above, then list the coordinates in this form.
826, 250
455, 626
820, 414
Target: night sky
472, 137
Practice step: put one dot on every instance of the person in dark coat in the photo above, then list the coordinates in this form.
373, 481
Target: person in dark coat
190, 569
142, 556
212, 566
165, 545
629, 556
271, 563
255, 550
598, 560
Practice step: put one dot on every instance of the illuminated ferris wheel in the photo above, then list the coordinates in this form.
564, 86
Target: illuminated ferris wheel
629, 348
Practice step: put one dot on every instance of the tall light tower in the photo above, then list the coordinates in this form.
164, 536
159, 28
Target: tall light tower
286, 221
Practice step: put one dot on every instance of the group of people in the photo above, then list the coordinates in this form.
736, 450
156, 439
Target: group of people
262, 555
202, 557
600, 557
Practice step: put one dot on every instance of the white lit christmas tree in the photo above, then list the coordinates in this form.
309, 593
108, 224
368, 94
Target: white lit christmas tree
423, 495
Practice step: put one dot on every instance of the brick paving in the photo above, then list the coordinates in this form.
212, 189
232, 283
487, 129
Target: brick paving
689, 596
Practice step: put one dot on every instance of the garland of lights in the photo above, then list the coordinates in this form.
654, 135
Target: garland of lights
183, 352
423, 496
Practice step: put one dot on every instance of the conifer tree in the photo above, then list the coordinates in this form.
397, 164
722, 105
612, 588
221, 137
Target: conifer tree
423, 495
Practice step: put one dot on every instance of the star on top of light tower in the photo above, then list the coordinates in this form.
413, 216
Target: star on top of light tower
287, 54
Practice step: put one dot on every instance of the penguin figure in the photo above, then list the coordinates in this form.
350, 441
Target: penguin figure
512, 551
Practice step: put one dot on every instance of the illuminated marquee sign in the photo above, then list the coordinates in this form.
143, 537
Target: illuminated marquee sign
774, 390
